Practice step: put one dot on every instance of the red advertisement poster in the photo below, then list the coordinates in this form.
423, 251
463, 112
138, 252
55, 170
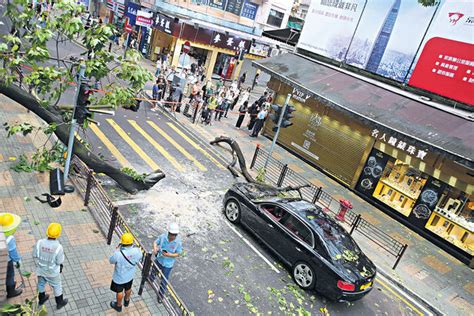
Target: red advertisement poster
446, 67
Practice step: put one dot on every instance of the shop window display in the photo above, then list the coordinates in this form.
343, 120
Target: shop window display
453, 219
399, 186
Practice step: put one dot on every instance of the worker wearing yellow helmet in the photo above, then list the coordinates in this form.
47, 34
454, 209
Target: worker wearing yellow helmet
50, 257
125, 258
8, 224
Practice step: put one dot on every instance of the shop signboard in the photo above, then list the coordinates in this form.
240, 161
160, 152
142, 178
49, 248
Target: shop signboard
446, 63
131, 12
144, 18
249, 10
218, 4
259, 49
372, 171
329, 26
116, 6
164, 23
229, 42
426, 202
234, 6
399, 144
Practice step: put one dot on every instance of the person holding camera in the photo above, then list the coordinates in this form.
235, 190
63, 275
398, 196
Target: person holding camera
125, 258
50, 257
167, 247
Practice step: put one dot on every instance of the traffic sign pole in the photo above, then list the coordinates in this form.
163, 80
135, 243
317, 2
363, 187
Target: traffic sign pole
275, 137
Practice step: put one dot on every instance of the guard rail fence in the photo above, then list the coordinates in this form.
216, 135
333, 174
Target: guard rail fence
110, 222
281, 175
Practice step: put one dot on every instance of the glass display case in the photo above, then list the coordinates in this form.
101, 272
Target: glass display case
399, 186
453, 219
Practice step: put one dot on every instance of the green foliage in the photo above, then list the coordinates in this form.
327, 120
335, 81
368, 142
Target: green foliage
29, 308
42, 159
24, 128
260, 175
135, 175
428, 3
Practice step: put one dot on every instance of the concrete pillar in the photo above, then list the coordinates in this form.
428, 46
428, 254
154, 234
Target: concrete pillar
210, 63
3, 267
177, 51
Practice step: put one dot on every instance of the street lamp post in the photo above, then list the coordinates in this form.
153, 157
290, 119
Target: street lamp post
72, 130
275, 137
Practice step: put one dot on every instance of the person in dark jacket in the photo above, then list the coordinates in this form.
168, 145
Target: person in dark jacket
253, 111
242, 112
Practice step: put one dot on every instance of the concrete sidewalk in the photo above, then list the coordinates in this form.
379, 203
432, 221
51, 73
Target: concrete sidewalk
425, 271
87, 273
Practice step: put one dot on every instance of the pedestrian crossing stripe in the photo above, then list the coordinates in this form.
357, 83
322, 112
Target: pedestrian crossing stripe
111, 147
150, 162
193, 143
158, 147
177, 146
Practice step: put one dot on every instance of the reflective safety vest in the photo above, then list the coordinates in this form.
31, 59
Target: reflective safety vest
50, 255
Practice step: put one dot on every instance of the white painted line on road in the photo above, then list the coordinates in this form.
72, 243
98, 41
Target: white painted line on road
411, 299
253, 247
127, 202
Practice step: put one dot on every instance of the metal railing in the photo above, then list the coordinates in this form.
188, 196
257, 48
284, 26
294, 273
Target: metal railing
281, 175
110, 221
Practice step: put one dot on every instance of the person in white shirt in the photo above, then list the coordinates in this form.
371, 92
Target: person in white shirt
262, 114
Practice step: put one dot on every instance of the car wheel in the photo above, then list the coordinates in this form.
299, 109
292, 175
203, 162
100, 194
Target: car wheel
232, 211
304, 275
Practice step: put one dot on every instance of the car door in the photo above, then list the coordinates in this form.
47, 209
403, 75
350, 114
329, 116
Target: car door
257, 219
296, 238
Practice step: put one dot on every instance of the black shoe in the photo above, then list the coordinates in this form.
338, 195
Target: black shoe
60, 301
126, 303
115, 306
42, 298
12, 291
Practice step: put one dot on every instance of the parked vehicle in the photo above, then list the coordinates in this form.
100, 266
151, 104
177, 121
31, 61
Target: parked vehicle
319, 252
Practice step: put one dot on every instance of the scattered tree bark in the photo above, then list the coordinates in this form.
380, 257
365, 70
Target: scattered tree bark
50, 115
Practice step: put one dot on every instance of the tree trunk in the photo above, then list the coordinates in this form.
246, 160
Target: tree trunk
50, 115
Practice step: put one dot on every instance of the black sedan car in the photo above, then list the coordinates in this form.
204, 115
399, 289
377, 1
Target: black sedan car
319, 252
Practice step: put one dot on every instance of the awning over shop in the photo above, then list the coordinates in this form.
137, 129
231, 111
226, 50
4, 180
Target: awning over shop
288, 35
375, 105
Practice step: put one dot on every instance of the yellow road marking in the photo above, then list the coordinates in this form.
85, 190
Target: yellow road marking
111, 147
132, 144
416, 310
204, 132
193, 143
178, 146
160, 148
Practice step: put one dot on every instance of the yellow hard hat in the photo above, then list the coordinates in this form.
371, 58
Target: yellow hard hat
9, 221
54, 230
127, 239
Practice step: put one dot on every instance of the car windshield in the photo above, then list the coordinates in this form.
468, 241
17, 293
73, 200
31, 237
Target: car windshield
340, 245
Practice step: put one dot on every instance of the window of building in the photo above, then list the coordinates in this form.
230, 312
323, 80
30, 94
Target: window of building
275, 18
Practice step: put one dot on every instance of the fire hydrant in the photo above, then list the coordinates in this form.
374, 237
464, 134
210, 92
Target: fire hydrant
345, 205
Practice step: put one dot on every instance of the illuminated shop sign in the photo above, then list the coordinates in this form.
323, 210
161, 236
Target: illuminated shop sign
399, 144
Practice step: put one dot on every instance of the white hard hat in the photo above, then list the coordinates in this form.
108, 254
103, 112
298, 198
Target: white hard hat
173, 228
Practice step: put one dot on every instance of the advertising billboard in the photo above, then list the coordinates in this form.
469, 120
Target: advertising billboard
446, 62
388, 37
329, 26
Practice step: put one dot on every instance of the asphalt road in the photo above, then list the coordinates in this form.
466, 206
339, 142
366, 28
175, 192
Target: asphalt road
224, 270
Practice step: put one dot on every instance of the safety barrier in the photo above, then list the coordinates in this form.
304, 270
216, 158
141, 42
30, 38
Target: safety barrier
281, 175
110, 221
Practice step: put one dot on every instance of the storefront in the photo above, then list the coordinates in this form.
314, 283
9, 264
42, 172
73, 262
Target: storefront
412, 161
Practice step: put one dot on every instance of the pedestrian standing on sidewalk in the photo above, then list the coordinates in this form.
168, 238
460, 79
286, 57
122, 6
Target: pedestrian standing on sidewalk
242, 79
176, 97
155, 93
50, 257
158, 66
8, 224
255, 79
167, 247
242, 112
244, 96
219, 85
253, 111
261, 116
125, 258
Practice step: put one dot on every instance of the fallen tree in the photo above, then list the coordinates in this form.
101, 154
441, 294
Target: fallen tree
36, 80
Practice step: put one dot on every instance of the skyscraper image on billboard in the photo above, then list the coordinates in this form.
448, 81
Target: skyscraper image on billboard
388, 36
